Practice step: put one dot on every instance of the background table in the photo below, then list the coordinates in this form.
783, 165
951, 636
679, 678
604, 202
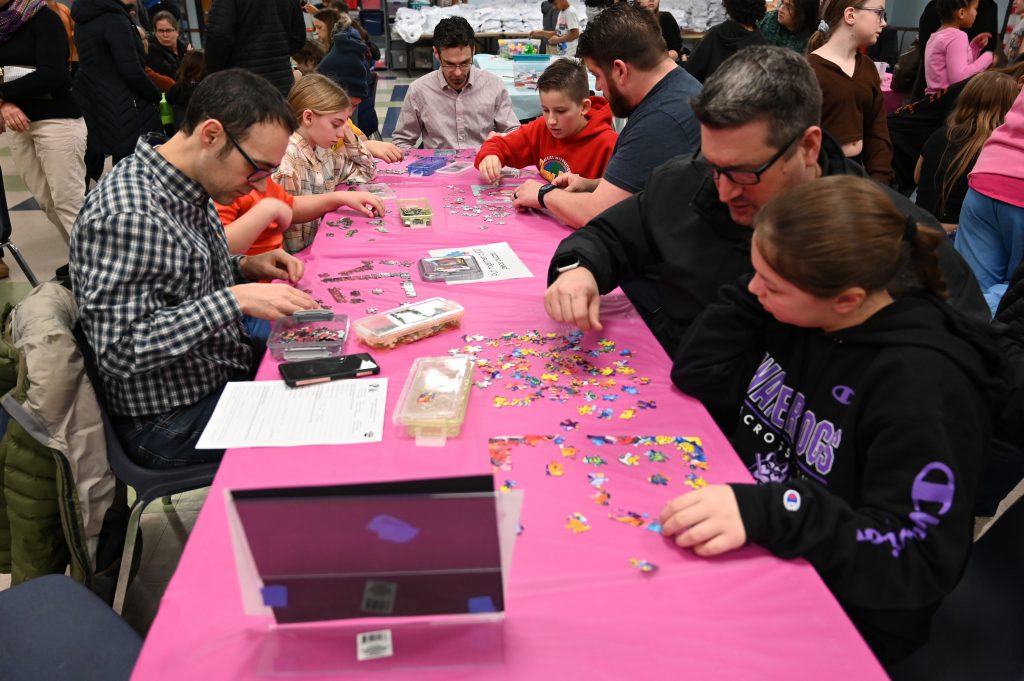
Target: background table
893, 100
525, 102
576, 608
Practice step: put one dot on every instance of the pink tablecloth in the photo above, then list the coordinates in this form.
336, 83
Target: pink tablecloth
576, 607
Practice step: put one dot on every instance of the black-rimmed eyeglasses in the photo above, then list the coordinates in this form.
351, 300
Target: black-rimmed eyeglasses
742, 177
257, 173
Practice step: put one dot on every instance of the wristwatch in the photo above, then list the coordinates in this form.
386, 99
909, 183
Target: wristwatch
542, 192
568, 265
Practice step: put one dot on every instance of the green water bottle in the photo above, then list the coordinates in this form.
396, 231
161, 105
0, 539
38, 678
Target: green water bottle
166, 112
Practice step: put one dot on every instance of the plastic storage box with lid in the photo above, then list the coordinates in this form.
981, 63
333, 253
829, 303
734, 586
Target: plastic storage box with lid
410, 323
427, 165
432, 406
510, 47
450, 268
527, 69
415, 213
308, 334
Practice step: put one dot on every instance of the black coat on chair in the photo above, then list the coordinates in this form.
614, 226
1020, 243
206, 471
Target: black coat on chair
111, 85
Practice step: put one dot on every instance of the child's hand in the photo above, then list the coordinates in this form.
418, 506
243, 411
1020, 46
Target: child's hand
707, 520
490, 169
385, 151
981, 40
275, 211
364, 202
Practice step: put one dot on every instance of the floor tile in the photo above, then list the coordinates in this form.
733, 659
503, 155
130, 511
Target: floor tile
191, 501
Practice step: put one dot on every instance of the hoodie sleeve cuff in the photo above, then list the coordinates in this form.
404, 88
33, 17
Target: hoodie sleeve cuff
750, 499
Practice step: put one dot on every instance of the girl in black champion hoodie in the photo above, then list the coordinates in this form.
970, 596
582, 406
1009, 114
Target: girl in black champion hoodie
864, 416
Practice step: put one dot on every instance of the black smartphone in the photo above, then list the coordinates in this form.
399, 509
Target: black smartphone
311, 371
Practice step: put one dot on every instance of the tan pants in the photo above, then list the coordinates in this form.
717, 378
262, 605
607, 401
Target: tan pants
51, 159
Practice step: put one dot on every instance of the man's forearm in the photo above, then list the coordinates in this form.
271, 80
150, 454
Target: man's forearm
572, 208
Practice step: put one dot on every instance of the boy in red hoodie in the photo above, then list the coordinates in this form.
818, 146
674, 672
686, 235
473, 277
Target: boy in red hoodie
573, 135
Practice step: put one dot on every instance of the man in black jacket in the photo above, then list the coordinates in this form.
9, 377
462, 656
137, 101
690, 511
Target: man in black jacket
760, 135
256, 35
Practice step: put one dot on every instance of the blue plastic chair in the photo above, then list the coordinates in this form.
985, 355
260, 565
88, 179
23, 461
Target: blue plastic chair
54, 629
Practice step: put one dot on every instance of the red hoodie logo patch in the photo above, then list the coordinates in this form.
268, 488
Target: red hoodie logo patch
553, 166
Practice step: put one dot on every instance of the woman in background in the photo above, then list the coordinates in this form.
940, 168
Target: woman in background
791, 25
117, 97
166, 50
44, 125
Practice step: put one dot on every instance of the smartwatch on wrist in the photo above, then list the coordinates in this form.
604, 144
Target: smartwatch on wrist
542, 192
567, 265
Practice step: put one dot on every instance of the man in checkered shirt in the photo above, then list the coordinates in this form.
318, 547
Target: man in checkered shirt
161, 299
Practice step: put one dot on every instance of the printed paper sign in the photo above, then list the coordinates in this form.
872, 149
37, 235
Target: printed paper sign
498, 262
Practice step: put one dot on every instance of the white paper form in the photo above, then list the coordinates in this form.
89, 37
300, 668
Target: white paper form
498, 261
270, 414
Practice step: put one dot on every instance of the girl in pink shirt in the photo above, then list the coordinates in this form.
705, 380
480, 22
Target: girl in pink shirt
991, 234
948, 57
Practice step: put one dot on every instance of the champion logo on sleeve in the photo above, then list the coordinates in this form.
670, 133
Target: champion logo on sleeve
791, 500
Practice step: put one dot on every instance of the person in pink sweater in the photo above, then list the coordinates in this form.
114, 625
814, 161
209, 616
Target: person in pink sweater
948, 56
991, 234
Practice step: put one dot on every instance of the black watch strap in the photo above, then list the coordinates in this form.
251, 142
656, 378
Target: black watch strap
543, 192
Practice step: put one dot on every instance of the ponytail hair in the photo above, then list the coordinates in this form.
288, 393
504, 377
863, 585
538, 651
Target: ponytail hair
832, 13
922, 246
838, 232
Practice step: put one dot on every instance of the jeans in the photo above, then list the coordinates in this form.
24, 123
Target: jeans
169, 440
991, 239
257, 328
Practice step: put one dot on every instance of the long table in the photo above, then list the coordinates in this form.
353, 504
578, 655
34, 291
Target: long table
577, 608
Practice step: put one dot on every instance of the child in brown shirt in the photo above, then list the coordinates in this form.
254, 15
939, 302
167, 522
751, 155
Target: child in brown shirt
853, 110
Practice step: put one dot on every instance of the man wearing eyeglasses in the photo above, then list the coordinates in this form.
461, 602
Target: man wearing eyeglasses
760, 118
160, 299
457, 106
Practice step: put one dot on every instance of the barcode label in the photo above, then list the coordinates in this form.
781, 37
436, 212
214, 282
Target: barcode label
373, 645
379, 597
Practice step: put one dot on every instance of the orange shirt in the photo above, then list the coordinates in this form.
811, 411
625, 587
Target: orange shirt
163, 83
64, 13
272, 237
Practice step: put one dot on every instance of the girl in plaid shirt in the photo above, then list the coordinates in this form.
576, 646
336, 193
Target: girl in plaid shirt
323, 152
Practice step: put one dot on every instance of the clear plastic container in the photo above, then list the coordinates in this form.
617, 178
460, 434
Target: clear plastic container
455, 168
527, 68
451, 268
408, 324
510, 47
382, 191
426, 166
308, 334
432, 406
415, 213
